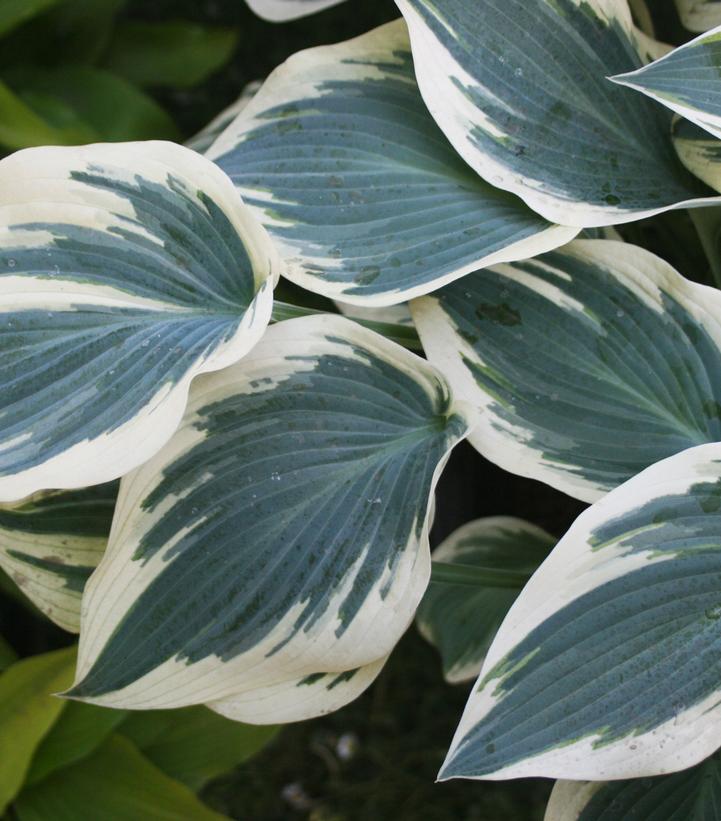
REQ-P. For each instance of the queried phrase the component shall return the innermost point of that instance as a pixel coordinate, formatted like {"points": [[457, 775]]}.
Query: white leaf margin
{"points": [[279, 11]]}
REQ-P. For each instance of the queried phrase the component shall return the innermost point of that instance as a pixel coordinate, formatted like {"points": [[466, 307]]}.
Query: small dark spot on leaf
{"points": [[712, 408], [501, 314], [368, 274]]}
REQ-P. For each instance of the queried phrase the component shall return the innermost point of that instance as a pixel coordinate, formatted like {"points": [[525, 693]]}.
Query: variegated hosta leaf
{"points": [[280, 535], [396, 314], [365, 198], [202, 141], [52, 542], [699, 152], [686, 80], [608, 665], [589, 363], [125, 270], [279, 10], [690, 795], [461, 620], [520, 88], [699, 15]]}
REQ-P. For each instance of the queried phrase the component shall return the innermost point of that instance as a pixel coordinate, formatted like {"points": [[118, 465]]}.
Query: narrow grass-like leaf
{"points": [[52, 542], [520, 88], [365, 198], [462, 620], [125, 270], [280, 536], [589, 363], [608, 664]]}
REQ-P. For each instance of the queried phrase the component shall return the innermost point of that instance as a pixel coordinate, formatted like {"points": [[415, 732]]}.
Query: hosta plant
{"points": [[463, 183]]}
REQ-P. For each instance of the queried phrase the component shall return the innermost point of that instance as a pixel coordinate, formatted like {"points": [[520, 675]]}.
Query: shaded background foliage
{"points": [[377, 758]]}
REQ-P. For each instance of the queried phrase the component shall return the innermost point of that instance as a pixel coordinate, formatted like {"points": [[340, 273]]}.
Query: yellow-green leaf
{"points": [[116, 784], [27, 711]]}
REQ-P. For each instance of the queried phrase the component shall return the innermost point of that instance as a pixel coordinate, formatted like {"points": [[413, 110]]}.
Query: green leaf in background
{"points": [[520, 87], [116, 783], [461, 620], [78, 31], [109, 106], [269, 558], [173, 53], [146, 727], [52, 542], [79, 730], [699, 15], [8, 656], [608, 665], [194, 744], [72, 32], [27, 712], [110, 311], [81, 29], [21, 126], [690, 795], [15, 12], [363, 195], [590, 363], [686, 80]]}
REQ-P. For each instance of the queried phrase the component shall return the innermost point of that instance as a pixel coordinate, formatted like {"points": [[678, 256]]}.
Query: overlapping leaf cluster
{"points": [[458, 171]]}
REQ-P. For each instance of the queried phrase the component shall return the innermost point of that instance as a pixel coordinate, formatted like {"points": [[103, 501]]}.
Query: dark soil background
{"points": [[375, 760]]}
